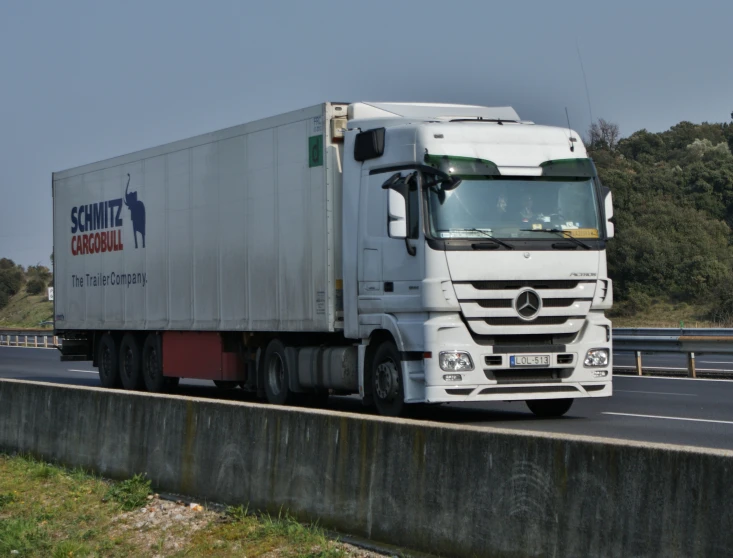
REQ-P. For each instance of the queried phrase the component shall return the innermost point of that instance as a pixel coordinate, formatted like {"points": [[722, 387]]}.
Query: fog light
{"points": [[596, 357], [453, 377], [454, 361], [600, 373]]}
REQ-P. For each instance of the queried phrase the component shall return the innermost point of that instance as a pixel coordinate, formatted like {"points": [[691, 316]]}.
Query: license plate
{"points": [[529, 360]]}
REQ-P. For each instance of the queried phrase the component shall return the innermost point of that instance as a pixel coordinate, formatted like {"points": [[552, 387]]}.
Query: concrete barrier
{"points": [[450, 490]]}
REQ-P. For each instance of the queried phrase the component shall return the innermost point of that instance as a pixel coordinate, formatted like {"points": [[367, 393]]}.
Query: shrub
{"points": [[35, 286]]}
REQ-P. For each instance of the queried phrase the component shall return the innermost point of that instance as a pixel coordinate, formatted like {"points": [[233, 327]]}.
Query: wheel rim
{"points": [[276, 374], [386, 380]]}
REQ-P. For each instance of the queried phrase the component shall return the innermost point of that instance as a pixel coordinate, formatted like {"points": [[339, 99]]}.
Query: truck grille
{"points": [[536, 284], [528, 375], [548, 320], [507, 303], [488, 306]]}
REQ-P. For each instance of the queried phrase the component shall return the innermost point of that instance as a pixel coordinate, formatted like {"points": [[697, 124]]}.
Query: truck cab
{"points": [[474, 258]]}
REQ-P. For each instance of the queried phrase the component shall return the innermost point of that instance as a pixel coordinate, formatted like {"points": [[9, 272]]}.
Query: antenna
{"points": [[571, 139], [585, 82]]}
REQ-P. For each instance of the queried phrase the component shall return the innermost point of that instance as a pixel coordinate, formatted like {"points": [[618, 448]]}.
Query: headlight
{"points": [[596, 357], [455, 361]]}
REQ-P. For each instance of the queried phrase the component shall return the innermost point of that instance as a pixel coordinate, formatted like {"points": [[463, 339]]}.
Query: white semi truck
{"points": [[410, 253]]}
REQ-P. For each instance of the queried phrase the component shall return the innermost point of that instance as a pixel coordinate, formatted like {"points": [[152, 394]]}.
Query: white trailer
{"points": [[371, 248]]}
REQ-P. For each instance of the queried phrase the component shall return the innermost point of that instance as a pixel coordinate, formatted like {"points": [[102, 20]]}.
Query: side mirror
{"points": [[369, 144], [397, 215], [451, 183], [608, 209]]}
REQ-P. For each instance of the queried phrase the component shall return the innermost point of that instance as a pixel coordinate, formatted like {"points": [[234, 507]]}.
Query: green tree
{"points": [[40, 272], [35, 286], [11, 280], [673, 197]]}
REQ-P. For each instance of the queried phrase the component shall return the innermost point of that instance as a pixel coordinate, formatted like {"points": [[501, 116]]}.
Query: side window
{"points": [[413, 210]]}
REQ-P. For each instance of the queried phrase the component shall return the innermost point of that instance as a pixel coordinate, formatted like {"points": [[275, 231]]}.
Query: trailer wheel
{"points": [[277, 375], [130, 372], [549, 407], [152, 366], [389, 394], [109, 373]]}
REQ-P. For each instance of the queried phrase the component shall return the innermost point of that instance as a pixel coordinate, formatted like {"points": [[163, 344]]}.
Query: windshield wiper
{"points": [[563, 232], [487, 235]]}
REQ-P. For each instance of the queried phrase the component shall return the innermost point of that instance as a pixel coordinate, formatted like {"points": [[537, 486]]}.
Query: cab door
{"points": [[392, 268]]}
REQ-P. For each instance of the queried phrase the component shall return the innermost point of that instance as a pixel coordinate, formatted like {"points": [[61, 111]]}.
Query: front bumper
{"points": [[494, 379]]}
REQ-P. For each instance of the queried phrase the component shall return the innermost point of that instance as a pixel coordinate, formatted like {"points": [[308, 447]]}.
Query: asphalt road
{"points": [[675, 411]]}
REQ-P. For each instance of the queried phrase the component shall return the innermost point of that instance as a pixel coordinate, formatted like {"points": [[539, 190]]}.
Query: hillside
{"points": [[26, 311], [672, 258]]}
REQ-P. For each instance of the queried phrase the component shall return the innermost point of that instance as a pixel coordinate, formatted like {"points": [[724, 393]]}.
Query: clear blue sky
{"points": [[84, 81]]}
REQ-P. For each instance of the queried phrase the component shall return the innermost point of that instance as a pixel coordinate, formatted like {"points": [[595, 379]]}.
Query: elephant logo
{"points": [[137, 212]]}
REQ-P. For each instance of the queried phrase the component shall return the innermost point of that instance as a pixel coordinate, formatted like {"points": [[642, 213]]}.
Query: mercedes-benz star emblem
{"points": [[528, 304]]}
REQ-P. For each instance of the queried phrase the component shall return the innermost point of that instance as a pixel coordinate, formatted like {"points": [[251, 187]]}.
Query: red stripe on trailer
{"points": [[200, 355]]}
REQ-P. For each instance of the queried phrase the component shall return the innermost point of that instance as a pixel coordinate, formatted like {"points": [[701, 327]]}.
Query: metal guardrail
{"points": [[29, 338], [671, 340]]}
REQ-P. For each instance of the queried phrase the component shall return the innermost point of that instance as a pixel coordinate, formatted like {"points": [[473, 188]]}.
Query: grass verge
{"points": [[665, 314], [49, 511], [26, 311]]}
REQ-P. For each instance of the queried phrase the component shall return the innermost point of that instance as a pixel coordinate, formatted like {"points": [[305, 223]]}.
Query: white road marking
{"points": [[675, 369], [669, 418], [654, 392], [617, 376], [85, 371]]}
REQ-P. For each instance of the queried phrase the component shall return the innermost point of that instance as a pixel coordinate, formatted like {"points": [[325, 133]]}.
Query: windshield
{"points": [[514, 207]]}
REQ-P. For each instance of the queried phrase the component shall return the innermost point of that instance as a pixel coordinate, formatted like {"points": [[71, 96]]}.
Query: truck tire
{"points": [[386, 377], [152, 365], [549, 407], [130, 364], [109, 373], [276, 375]]}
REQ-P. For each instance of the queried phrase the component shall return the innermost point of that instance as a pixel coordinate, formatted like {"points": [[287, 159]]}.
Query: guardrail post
{"points": [[691, 365], [35, 341], [638, 363], [45, 341], [17, 340], [55, 341]]}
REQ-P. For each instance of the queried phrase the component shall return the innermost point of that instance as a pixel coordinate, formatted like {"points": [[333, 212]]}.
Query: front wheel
{"points": [[277, 375], [389, 393], [549, 407]]}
